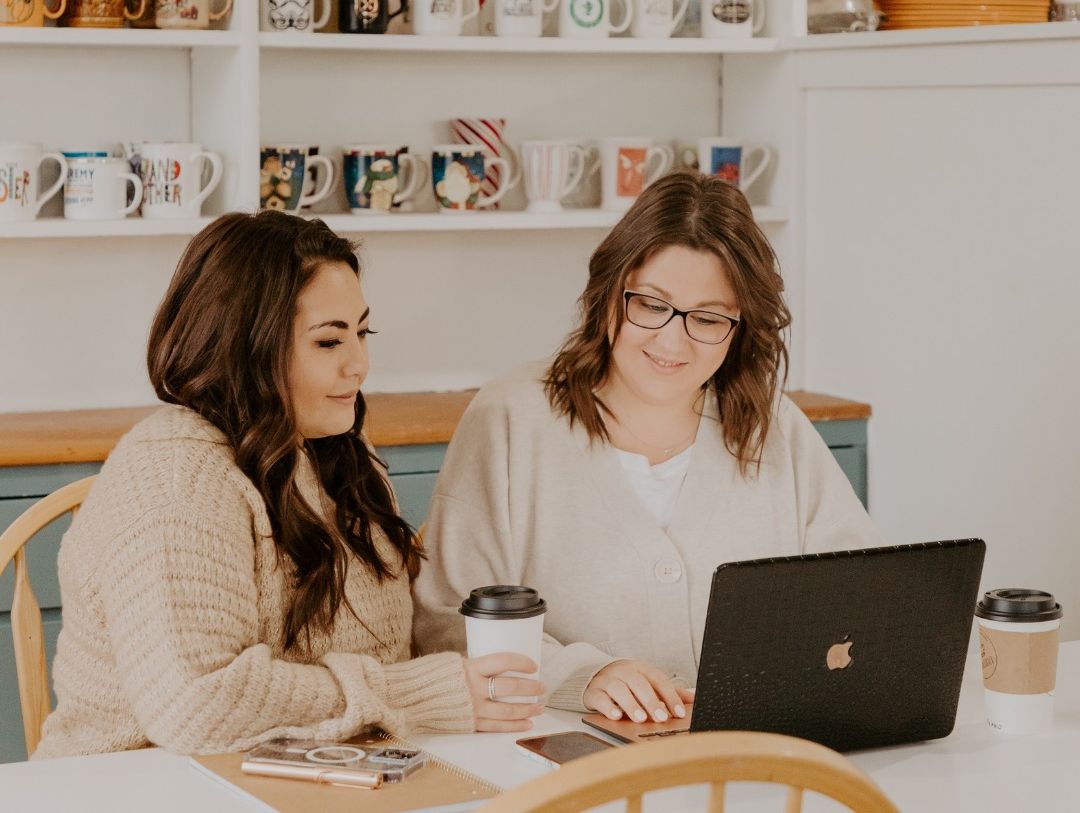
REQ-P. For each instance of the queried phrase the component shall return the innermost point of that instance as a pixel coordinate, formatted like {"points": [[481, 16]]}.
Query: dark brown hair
{"points": [[703, 213], [220, 344]]}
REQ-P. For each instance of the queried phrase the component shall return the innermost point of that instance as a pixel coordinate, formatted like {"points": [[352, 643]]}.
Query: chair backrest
{"points": [[26, 627], [714, 758]]}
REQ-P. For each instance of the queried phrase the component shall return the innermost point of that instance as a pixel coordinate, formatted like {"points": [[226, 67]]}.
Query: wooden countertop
{"points": [[402, 419]]}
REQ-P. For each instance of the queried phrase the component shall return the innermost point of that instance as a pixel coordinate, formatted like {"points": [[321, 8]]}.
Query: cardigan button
{"points": [[668, 571]]}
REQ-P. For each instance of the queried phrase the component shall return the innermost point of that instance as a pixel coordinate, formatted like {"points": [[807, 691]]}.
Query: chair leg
{"points": [[794, 800], [716, 797]]}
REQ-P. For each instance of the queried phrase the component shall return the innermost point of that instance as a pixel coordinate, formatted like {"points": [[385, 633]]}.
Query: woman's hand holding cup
{"points": [[487, 684], [637, 690]]}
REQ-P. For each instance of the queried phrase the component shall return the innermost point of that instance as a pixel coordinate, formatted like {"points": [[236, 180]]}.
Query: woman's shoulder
{"points": [[518, 392], [173, 458]]}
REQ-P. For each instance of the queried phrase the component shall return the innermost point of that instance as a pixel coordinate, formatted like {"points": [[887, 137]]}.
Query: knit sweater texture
{"points": [[524, 499], [174, 600]]}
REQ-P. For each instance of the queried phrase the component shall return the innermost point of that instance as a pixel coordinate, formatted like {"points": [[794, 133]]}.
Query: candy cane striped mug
{"points": [[488, 135], [550, 173]]}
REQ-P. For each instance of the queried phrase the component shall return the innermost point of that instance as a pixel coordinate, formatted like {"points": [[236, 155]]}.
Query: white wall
{"points": [[942, 287]]}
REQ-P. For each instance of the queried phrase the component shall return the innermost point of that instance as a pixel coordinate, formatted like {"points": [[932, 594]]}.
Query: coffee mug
{"points": [[586, 195], [367, 16], [29, 12], [657, 19], [552, 170], [625, 169], [188, 13], [281, 177], [297, 16], [101, 13], [456, 173], [489, 134], [733, 160], [20, 175], [441, 17], [172, 176], [379, 177], [732, 19], [591, 19], [96, 186], [520, 18]]}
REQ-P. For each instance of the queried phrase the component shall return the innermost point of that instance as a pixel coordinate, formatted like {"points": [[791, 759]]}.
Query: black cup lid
{"points": [[503, 601], [1018, 604]]}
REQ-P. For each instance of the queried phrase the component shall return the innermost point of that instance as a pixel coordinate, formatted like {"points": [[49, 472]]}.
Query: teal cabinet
{"points": [[413, 470]]}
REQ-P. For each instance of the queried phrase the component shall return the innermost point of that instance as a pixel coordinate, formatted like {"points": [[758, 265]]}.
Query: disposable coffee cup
{"points": [[505, 618], [1018, 646]]}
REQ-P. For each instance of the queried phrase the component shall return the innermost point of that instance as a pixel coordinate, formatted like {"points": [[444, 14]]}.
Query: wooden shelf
{"points": [[964, 35], [118, 37], [513, 45], [55, 227]]}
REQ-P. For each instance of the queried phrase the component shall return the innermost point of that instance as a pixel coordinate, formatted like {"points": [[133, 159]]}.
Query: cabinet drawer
{"points": [[414, 495], [41, 553], [12, 743]]}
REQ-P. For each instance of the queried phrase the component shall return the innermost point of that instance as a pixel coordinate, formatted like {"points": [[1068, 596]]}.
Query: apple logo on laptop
{"points": [[839, 655]]}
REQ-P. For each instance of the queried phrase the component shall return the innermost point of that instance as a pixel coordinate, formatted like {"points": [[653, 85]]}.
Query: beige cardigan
{"points": [[174, 601], [522, 499]]}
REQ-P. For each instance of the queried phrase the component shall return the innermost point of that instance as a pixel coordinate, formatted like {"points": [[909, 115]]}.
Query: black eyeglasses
{"points": [[652, 313]]}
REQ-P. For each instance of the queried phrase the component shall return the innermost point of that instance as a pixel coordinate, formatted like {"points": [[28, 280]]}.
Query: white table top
{"points": [[973, 769]]}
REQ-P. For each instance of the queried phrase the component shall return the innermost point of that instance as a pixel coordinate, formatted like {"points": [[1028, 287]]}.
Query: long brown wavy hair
{"points": [[703, 213], [220, 344]]}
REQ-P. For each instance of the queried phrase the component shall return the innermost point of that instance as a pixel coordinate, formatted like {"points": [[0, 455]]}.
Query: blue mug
{"points": [[281, 177], [379, 177], [456, 173]]}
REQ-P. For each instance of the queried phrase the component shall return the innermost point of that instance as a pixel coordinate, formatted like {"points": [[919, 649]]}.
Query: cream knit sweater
{"points": [[174, 599], [522, 499]]}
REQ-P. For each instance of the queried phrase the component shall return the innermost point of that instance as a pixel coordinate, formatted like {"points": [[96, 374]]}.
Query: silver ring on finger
{"points": [[491, 689]]}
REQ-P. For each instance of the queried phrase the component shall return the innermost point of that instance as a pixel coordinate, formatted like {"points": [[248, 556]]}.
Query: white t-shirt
{"points": [[657, 486]]}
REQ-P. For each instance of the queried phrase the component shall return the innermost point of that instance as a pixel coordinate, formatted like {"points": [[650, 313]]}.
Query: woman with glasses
{"points": [[653, 447]]}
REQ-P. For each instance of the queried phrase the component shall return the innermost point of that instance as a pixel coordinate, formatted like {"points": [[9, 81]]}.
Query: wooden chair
{"points": [[713, 758], [26, 627]]}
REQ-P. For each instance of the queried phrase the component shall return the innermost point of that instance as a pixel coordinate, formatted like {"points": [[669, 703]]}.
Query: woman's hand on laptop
{"points": [[637, 690], [487, 683]]}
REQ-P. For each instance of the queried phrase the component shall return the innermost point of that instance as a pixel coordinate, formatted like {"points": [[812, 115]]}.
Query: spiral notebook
{"points": [[437, 783]]}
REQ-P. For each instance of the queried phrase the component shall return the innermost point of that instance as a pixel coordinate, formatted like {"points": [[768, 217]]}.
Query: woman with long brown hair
{"points": [[653, 447], [239, 570]]}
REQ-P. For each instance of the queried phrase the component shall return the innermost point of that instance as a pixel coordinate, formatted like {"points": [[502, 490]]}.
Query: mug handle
{"points": [[324, 18], [137, 185], [328, 181], [504, 187], [515, 166], [759, 19], [215, 179], [555, 4], [214, 17], [468, 16], [677, 20], [575, 179], [134, 15], [418, 175], [766, 154], [667, 156], [55, 15], [402, 5], [625, 24], [52, 190]]}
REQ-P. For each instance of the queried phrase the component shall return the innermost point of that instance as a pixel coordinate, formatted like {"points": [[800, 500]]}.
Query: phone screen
{"points": [[560, 748]]}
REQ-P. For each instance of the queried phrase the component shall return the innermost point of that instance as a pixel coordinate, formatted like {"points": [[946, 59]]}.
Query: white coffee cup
{"points": [[20, 176], [1018, 649], [505, 618], [591, 19], [172, 176], [657, 19], [521, 18], [441, 17], [735, 160], [732, 19], [188, 14], [96, 186], [550, 172], [624, 169], [295, 16]]}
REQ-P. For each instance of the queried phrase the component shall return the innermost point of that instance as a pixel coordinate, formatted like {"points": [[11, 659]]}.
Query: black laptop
{"points": [[855, 649]]}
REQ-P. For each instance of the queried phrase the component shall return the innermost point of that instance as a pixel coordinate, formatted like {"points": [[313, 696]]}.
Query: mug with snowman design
{"points": [[456, 173], [380, 177]]}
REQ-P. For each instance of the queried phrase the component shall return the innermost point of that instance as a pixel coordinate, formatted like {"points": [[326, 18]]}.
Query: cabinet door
{"points": [[12, 743]]}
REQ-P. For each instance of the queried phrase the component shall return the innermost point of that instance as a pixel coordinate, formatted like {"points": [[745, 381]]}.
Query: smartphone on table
{"points": [[555, 749]]}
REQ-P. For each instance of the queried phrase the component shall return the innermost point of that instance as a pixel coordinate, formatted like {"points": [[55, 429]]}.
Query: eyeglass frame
{"points": [[627, 293]]}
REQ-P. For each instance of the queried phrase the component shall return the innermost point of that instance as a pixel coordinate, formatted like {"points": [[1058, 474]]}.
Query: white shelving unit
{"points": [[117, 37], [973, 35]]}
